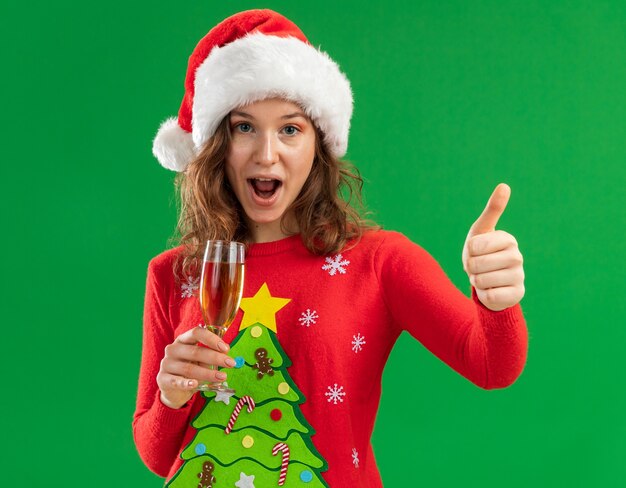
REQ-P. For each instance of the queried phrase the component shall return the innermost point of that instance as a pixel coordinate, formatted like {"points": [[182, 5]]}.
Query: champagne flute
{"points": [[221, 286]]}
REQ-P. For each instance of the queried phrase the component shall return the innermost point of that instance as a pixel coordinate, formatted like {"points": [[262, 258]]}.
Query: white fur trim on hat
{"points": [[173, 146], [257, 66]]}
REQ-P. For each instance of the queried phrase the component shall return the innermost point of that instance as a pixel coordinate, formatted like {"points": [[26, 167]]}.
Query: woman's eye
{"points": [[243, 127], [290, 130]]}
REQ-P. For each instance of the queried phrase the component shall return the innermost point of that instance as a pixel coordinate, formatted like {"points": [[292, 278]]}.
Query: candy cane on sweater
{"points": [[281, 446], [238, 407]]}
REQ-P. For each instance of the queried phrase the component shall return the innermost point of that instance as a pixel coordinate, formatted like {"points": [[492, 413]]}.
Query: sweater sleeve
{"points": [[157, 429], [486, 347]]}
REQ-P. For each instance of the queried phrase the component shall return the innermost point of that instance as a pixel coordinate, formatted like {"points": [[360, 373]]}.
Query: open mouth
{"points": [[265, 187]]}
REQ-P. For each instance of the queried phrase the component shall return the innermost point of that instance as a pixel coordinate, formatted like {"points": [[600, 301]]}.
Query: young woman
{"points": [[257, 144]]}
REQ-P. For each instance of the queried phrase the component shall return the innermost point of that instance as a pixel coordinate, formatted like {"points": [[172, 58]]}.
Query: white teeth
{"points": [[264, 179]]}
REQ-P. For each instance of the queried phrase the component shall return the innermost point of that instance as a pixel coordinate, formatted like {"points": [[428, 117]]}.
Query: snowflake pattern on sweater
{"points": [[336, 264], [309, 317], [357, 342], [189, 287], [335, 394]]}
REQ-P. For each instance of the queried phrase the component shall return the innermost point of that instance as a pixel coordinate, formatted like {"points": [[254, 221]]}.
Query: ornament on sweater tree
{"points": [[259, 436]]}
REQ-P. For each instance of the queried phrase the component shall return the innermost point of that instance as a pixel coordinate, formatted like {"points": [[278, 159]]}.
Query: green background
{"points": [[451, 98]]}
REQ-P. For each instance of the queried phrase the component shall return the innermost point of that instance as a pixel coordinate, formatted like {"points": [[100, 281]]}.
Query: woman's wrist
{"points": [[169, 404]]}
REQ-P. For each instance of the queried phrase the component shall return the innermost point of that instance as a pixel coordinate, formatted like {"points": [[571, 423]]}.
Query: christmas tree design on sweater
{"points": [[257, 437]]}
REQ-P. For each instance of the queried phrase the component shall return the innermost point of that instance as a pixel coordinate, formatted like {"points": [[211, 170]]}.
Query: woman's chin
{"points": [[267, 218]]}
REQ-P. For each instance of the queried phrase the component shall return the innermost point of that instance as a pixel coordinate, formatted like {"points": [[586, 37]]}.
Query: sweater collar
{"points": [[275, 247]]}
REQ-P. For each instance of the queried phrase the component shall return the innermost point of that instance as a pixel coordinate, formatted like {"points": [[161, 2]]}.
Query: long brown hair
{"points": [[328, 210]]}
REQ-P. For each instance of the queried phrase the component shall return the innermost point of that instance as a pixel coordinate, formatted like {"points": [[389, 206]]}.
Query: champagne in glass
{"points": [[221, 286]]}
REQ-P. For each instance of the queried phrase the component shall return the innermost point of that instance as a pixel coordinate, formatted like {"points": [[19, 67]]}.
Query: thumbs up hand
{"points": [[491, 257]]}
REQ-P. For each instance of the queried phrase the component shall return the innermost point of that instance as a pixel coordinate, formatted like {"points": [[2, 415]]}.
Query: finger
{"points": [[194, 371], [504, 296], [494, 241], [204, 355], [507, 258], [204, 336], [496, 279], [174, 381], [492, 212]]}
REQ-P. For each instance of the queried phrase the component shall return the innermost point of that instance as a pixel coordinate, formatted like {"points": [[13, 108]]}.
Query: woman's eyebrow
{"points": [[241, 114], [288, 116], [293, 115]]}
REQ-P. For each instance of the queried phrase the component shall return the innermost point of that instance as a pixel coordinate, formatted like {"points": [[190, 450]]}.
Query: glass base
{"points": [[216, 387]]}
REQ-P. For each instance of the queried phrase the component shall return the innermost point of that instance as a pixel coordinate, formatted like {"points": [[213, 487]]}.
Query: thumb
{"points": [[494, 209]]}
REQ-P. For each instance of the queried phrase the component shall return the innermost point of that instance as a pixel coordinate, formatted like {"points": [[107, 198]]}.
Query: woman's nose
{"points": [[267, 152]]}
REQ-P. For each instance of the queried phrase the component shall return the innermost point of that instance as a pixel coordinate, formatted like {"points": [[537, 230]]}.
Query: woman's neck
{"points": [[270, 232]]}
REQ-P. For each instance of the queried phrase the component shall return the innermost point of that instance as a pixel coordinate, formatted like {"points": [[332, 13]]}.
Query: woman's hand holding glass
{"points": [[185, 365]]}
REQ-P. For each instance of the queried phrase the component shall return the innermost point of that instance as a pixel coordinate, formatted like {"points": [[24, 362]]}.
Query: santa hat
{"points": [[250, 56]]}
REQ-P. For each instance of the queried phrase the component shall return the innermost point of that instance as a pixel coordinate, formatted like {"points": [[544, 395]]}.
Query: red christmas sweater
{"points": [[344, 314]]}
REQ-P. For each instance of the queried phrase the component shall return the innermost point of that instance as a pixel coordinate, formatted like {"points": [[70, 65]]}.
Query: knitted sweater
{"points": [[342, 316]]}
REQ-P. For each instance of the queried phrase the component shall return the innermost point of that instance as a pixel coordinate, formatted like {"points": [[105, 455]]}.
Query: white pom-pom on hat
{"points": [[173, 146]]}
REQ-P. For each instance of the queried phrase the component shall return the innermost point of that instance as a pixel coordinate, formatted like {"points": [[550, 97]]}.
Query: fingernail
{"points": [[190, 383], [222, 346], [220, 376], [230, 362]]}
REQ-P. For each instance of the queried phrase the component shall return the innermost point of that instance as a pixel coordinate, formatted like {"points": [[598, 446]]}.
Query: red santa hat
{"points": [[248, 57]]}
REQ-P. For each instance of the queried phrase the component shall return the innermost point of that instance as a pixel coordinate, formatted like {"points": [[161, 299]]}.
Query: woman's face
{"points": [[268, 160]]}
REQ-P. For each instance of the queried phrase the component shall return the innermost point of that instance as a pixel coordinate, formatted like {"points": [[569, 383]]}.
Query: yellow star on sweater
{"points": [[262, 308]]}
